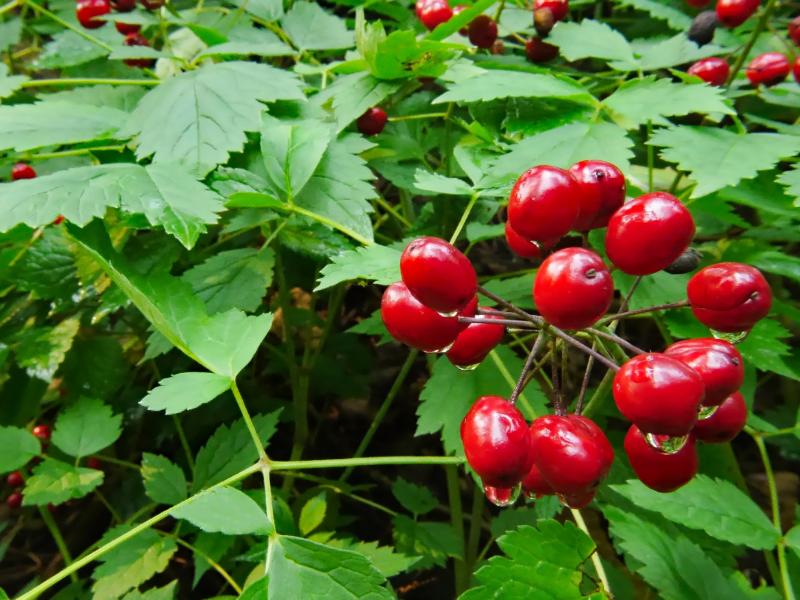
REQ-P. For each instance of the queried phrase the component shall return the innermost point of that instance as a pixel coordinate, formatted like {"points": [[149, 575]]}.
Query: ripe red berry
{"points": [[559, 8], [579, 500], [520, 246], [474, 343], [534, 484], [718, 363], [544, 203], [42, 432], [433, 12], [137, 39], [14, 500], [712, 70], [501, 496], [123, 5], [58, 221], [411, 322], [768, 69], [572, 452], [796, 69], [372, 121], [725, 423], [659, 394], [22, 171], [573, 288], [127, 28], [698, 3], [793, 29], [87, 12], [152, 4], [438, 274], [656, 469], [497, 443], [729, 296], [733, 13], [648, 233], [602, 192], [482, 31], [538, 51], [14, 479]]}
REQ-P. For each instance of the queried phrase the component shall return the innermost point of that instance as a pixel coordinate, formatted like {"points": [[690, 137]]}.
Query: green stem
{"points": [[598, 564], [52, 526], [417, 116], [369, 461], [117, 461], [474, 528], [75, 152], [330, 223], [248, 421], [522, 399], [8, 6], [762, 22], [66, 25], [464, 217], [214, 564], [87, 81], [184, 443], [266, 471], [457, 520]]}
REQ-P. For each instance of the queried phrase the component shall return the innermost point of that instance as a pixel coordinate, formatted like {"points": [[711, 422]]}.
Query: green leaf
{"points": [[197, 118], [661, 9], [434, 541], [166, 592], [414, 498], [10, 32], [313, 513], [791, 179], [311, 28], [377, 263], [591, 39], [496, 84], [401, 55], [86, 427], [17, 447], [48, 267], [40, 350], [383, 558], [164, 481], [351, 95], [233, 279], [185, 391], [792, 539], [53, 482], [9, 83], [716, 158], [674, 51], [68, 49], [211, 545], [268, 10], [541, 562], [224, 510], [433, 182], [765, 349]]}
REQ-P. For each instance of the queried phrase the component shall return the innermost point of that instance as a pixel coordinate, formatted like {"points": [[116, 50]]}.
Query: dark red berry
{"points": [[648, 233], [579, 500], [712, 70], [718, 363], [42, 432], [733, 13], [725, 423], [482, 31], [152, 4], [768, 69], [127, 28], [123, 5], [14, 500], [703, 26], [433, 12], [729, 296], [793, 29], [659, 394], [87, 12], [14, 479], [687, 262], [659, 470], [559, 8], [372, 121], [438, 274], [94, 463], [698, 3], [538, 51], [573, 288], [497, 443], [534, 484], [474, 343], [58, 221], [796, 69], [22, 171], [602, 192], [544, 203], [137, 39]]}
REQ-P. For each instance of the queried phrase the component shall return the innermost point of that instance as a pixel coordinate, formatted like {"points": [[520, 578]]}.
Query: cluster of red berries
{"points": [[481, 31], [546, 13], [89, 12]]}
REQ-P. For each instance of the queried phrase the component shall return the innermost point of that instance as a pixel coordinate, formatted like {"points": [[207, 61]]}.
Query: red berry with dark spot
{"points": [[87, 12], [14, 479], [793, 29], [42, 432], [544, 203], [573, 288], [482, 31], [123, 5], [538, 51], [127, 28], [729, 297], [656, 469], [602, 192], [474, 343], [438, 274], [718, 363], [733, 13], [433, 12], [648, 233], [497, 443], [14, 500], [559, 8], [768, 69], [534, 484], [22, 171], [712, 70], [137, 39], [372, 121], [725, 423]]}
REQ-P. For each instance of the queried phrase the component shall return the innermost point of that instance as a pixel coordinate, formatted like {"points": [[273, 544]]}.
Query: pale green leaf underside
{"points": [[86, 427], [224, 510], [185, 391], [496, 84], [164, 481], [17, 447], [373, 263], [53, 482]]}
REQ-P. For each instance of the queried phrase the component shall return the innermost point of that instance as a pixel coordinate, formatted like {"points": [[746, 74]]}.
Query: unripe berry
{"points": [[482, 31], [687, 262], [712, 70], [87, 12], [602, 188], [544, 203], [768, 69], [543, 21], [474, 343], [718, 362], [732, 13], [725, 423], [658, 470], [22, 171], [729, 297]]}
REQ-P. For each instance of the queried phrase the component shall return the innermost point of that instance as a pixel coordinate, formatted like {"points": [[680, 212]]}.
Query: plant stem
{"points": [[52, 526], [248, 421], [616, 339], [641, 311], [457, 520], [214, 564], [585, 381], [516, 324], [510, 379], [474, 528], [634, 286], [598, 564], [369, 461], [74, 152], [762, 22], [417, 116], [650, 157], [8, 6], [537, 346], [86, 81], [184, 443], [329, 222], [464, 217]]}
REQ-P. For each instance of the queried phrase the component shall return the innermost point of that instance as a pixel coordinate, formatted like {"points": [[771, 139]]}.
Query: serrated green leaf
{"points": [[166, 592], [164, 481], [677, 50], [661, 9], [210, 545], [792, 539], [53, 482], [185, 391], [434, 182], [351, 95], [591, 39], [791, 179], [224, 510], [377, 263], [86, 427], [496, 84], [313, 513], [9, 83], [48, 267], [68, 49], [10, 32], [40, 350], [311, 28], [414, 498], [434, 541], [765, 349], [383, 558], [17, 447], [401, 55]]}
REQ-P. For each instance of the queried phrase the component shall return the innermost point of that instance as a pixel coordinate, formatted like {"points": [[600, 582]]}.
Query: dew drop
{"points": [[665, 443], [734, 338], [452, 313], [468, 367], [502, 497], [706, 412], [441, 350]]}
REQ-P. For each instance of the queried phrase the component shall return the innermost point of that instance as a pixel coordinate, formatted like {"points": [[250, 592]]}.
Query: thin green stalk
{"points": [[522, 399], [368, 461], [66, 25], [214, 564], [759, 28], [8, 6], [266, 471], [248, 421], [474, 528], [52, 526], [598, 564], [330, 223], [104, 501], [457, 520], [117, 461], [464, 217], [87, 81], [74, 152], [184, 443], [417, 116]]}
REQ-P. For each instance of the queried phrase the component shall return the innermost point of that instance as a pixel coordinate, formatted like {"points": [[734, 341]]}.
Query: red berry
{"points": [[152, 4], [520, 246], [718, 363], [127, 28], [579, 500], [474, 343], [733, 13], [793, 29], [602, 192], [22, 171], [123, 5], [712, 70], [14, 479], [58, 221], [42, 432], [137, 39], [648, 233], [501, 496], [659, 394], [87, 10], [433, 12], [796, 69], [496, 442], [572, 452], [573, 288], [559, 8], [725, 423], [544, 203], [14, 500], [698, 3], [656, 469], [94, 463], [768, 69], [482, 31], [534, 484], [372, 121], [729, 296], [438, 274], [538, 51]]}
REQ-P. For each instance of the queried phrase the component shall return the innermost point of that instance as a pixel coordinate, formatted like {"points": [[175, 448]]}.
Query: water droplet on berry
{"points": [[450, 314], [468, 367], [734, 338], [441, 350], [502, 497], [706, 412], [665, 443]]}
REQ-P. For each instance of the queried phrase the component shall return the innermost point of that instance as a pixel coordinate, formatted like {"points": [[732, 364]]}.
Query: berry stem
{"points": [[537, 346], [759, 28], [598, 565], [585, 382], [514, 309], [616, 339], [507, 322], [624, 304], [641, 311], [52, 526]]}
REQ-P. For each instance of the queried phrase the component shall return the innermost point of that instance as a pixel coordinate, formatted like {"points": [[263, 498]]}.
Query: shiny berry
{"points": [[648, 233], [725, 423], [602, 192], [768, 69], [433, 12], [14, 500], [572, 452], [411, 322], [474, 343], [573, 288], [578, 500], [14, 479], [152, 4], [656, 469], [497, 443], [538, 51], [659, 394], [482, 31], [703, 26], [733, 13], [42, 432], [559, 8], [87, 12], [22, 171], [123, 5], [372, 121], [127, 28], [712, 70], [718, 363], [729, 296], [544, 203], [438, 274], [525, 248], [534, 484], [793, 29]]}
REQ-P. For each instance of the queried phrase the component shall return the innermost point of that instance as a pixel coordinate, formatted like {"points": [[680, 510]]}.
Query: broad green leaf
{"points": [[40, 350], [658, 288], [10, 32], [164, 481], [383, 558], [434, 541], [543, 561], [662, 9], [434, 182], [48, 267], [495, 84], [791, 179], [86, 427], [414, 498], [197, 118], [311, 28], [17, 447], [53, 482], [185, 391], [377, 263], [166, 592], [211, 545], [9, 83], [266, 48], [68, 49], [400, 55], [121, 97], [591, 39], [765, 349], [268, 10], [351, 95], [514, 289], [792, 538], [674, 51], [716, 158], [224, 510], [313, 513]]}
